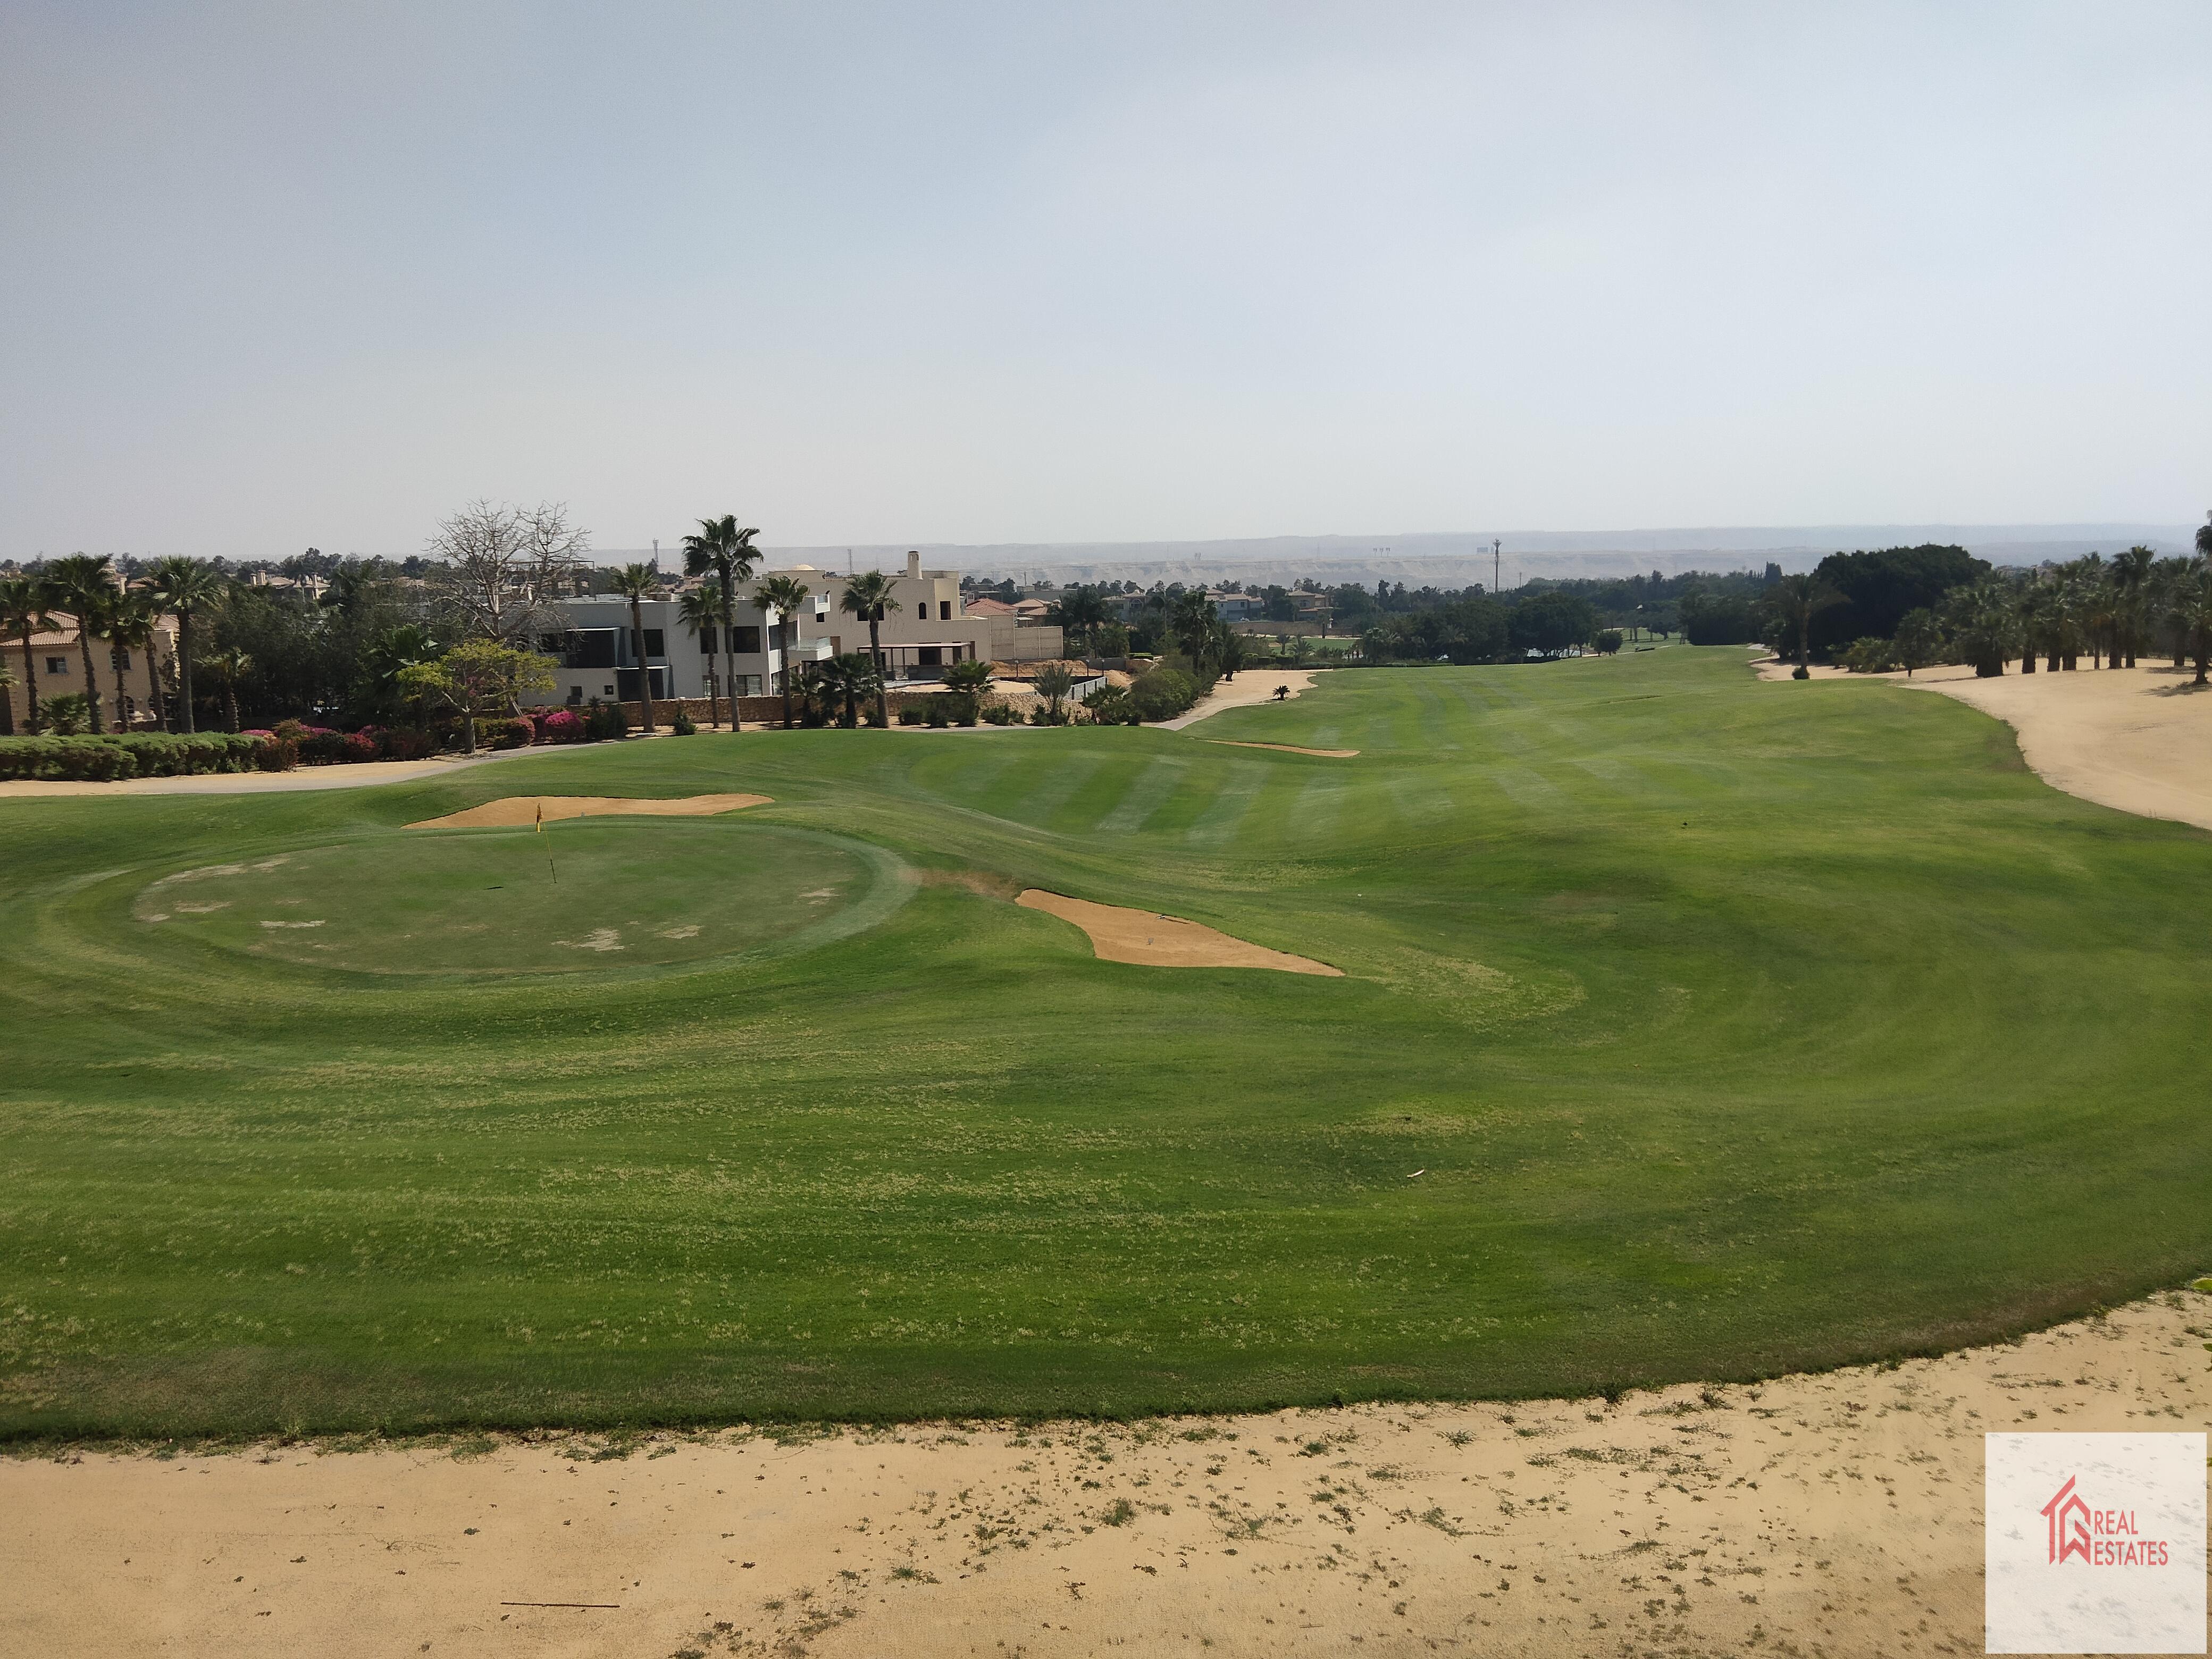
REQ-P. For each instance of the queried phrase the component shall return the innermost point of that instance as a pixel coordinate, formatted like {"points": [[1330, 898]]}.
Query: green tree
{"points": [[1797, 598], [846, 680], [1191, 620], [1919, 640], [23, 602], [633, 582], [2131, 575], [868, 597], [1080, 612], [1982, 622], [8, 683], [703, 610], [229, 666], [969, 680], [479, 677], [2193, 610], [724, 548], [1053, 680], [784, 595], [389, 655], [81, 585], [187, 589]]}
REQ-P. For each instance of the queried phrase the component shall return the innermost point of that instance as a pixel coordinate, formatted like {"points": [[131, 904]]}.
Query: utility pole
{"points": [[1497, 552]]}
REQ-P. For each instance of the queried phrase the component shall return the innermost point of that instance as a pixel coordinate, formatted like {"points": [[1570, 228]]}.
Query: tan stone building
{"points": [[58, 665]]}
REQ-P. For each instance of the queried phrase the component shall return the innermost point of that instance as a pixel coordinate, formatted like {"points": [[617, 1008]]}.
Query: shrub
{"points": [[65, 755], [1868, 656], [505, 734], [319, 745], [909, 713], [405, 743], [126, 754], [1113, 706], [683, 726], [275, 754], [1163, 693], [1609, 641], [561, 726], [998, 714], [604, 719], [67, 714]]}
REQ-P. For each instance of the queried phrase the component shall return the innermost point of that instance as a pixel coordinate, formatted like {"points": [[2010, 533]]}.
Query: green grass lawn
{"points": [[1732, 1027]]}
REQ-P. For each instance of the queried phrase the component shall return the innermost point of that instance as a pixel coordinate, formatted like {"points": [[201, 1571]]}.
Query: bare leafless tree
{"points": [[502, 567]]}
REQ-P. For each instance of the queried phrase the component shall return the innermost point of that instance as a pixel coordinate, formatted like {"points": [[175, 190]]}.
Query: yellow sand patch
{"points": [[514, 809], [1152, 941], [1287, 748]]}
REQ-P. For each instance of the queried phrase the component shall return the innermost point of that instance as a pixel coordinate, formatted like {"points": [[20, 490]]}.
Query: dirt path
{"points": [[1251, 685], [1836, 1513], [2139, 740], [346, 775]]}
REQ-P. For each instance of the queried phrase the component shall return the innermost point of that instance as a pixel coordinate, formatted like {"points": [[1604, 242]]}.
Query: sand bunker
{"points": [[505, 814], [1819, 1514], [1152, 941], [1251, 685], [2135, 739], [1287, 748]]}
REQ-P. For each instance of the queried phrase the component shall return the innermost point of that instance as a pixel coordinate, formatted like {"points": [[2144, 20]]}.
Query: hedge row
{"points": [[132, 755]]}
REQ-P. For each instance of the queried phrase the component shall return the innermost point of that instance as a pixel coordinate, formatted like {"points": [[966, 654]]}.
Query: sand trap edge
{"points": [[1145, 939], [1287, 748], [511, 811]]}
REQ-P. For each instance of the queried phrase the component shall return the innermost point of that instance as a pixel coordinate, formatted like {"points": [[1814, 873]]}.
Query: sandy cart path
{"points": [[1251, 685], [1813, 1514]]}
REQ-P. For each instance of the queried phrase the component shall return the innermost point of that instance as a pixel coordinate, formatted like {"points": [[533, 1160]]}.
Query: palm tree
{"points": [[721, 547], [2193, 610], [81, 585], [23, 601], [784, 594], [848, 678], [187, 587], [1191, 620], [2166, 577], [633, 582], [970, 680], [1053, 680], [7, 704], [1984, 623], [868, 597], [126, 620], [1081, 612], [229, 667], [2204, 537], [2131, 575], [1799, 597], [702, 610], [393, 652]]}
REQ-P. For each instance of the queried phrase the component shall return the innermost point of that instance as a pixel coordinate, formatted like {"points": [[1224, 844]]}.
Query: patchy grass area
{"points": [[1730, 1028]]}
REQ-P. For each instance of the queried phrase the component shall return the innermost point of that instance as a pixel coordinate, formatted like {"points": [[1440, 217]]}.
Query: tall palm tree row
{"points": [[633, 582], [187, 589], [868, 597], [784, 594], [81, 585], [704, 608], [228, 668], [23, 602], [727, 550]]}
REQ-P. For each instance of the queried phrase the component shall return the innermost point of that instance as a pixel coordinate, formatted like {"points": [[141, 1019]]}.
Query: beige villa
{"points": [[57, 664]]}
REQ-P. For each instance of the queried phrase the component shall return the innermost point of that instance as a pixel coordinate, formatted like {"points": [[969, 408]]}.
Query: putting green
{"points": [[584, 895]]}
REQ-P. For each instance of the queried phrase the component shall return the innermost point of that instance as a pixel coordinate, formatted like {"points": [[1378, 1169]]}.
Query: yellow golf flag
{"points": [[541, 817]]}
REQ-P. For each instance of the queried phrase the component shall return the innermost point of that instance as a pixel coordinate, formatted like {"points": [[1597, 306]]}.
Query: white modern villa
{"points": [[925, 629]]}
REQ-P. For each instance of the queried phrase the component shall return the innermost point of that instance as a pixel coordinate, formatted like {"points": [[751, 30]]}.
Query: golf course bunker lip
{"points": [[510, 812], [1287, 748], [1148, 940]]}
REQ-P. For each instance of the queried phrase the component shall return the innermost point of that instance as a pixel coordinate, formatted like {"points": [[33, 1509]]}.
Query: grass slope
{"points": [[1735, 1027]]}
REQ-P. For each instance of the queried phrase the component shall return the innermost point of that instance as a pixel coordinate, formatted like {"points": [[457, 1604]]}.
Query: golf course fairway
{"points": [[1689, 1027]]}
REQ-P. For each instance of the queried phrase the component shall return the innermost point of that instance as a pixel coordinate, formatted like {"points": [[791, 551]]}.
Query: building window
{"points": [[746, 642], [945, 610], [748, 685], [122, 660], [929, 656], [656, 642], [58, 665], [575, 694]]}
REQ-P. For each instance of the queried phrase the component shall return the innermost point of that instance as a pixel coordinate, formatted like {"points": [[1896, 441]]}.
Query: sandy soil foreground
{"points": [[2139, 740], [1831, 1515]]}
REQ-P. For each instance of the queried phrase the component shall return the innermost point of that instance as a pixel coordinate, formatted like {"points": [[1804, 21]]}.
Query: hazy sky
{"points": [[284, 275]]}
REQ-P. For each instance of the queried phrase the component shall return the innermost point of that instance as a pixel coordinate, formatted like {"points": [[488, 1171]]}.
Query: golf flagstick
{"points": [[549, 845]]}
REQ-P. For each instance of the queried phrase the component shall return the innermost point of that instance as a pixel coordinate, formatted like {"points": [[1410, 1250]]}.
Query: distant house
{"points": [[59, 666], [925, 630]]}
